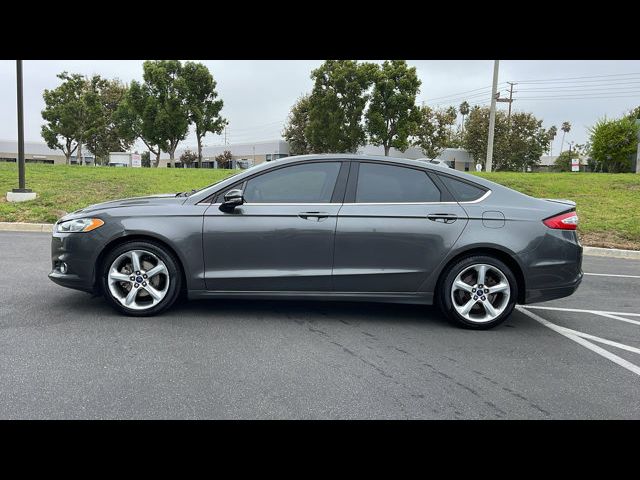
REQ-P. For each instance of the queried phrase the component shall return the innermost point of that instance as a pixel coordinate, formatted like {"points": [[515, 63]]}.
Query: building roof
{"points": [[237, 149], [30, 148]]}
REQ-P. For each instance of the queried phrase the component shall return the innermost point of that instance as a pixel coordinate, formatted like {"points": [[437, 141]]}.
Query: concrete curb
{"points": [[611, 252], [47, 227], [25, 227]]}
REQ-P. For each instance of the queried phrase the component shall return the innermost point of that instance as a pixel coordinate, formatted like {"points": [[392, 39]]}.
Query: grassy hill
{"points": [[608, 204]]}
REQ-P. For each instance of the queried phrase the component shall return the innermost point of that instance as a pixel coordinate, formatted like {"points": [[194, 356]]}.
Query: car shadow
{"points": [[298, 311], [311, 310]]}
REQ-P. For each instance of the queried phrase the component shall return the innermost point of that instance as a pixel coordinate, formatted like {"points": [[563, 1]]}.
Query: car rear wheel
{"points": [[141, 278], [478, 292]]}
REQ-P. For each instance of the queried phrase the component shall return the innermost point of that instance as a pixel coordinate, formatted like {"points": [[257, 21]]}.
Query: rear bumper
{"points": [[545, 294], [553, 269]]}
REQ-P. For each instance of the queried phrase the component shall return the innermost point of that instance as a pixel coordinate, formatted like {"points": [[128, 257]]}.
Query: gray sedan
{"points": [[330, 227]]}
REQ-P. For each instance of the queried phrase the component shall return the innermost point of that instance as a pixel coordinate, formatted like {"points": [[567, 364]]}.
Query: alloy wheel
{"points": [[480, 293], [138, 279]]}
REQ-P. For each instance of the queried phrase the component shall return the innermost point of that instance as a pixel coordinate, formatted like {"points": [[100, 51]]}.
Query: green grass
{"points": [[62, 189], [608, 204]]}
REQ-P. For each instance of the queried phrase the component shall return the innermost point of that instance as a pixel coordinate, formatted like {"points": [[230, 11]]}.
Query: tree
{"points": [[337, 103], [188, 157], [137, 117], [145, 159], [162, 78], [295, 128], [566, 128], [200, 96], [552, 132], [518, 144], [563, 162], [433, 133], [614, 143], [392, 116], [65, 114], [104, 134], [224, 159], [634, 113], [464, 111]]}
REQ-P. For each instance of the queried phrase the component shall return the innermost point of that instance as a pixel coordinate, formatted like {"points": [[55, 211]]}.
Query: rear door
{"points": [[395, 227], [282, 237]]}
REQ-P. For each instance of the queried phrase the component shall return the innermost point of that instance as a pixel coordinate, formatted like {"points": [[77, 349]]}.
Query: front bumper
{"points": [[79, 251]]}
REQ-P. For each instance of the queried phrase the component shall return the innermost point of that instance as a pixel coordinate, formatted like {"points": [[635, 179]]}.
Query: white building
{"points": [[244, 155]]}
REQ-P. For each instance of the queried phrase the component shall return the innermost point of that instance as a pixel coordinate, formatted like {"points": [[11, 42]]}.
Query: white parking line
{"points": [[621, 346], [627, 320], [612, 275], [582, 341], [578, 310]]}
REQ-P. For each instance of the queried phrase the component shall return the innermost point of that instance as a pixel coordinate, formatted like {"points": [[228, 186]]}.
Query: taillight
{"points": [[564, 221]]}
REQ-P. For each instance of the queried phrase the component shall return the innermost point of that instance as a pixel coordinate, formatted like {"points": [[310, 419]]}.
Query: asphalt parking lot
{"points": [[65, 354]]}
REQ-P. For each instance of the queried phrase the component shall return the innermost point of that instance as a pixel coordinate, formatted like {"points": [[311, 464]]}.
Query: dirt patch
{"points": [[607, 240]]}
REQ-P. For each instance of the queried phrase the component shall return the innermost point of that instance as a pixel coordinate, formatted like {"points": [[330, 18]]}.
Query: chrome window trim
{"points": [[487, 193]]}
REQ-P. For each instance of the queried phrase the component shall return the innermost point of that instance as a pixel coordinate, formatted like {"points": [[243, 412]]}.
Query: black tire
{"points": [[445, 302], [174, 273]]}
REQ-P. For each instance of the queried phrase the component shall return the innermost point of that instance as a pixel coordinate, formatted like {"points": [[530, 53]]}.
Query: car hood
{"points": [[151, 200]]}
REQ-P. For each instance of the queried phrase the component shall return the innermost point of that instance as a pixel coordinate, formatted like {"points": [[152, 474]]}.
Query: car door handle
{"points": [[442, 217], [317, 216]]}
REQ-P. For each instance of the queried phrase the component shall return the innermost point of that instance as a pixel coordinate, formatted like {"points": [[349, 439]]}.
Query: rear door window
{"points": [[462, 191], [380, 183]]}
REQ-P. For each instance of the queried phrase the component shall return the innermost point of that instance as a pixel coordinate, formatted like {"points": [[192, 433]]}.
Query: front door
{"points": [[393, 229], [281, 238]]}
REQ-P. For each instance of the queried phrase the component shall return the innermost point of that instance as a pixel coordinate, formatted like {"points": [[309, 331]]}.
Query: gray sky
{"points": [[258, 94]]}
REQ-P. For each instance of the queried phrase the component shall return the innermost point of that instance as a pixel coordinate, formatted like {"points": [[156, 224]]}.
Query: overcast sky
{"points": [[258, 94]]}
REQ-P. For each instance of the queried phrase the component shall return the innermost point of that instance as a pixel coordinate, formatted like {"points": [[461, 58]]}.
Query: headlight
{"points": [[79, 225]]}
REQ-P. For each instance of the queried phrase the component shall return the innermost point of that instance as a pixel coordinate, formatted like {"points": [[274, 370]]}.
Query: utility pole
{"points": [[492, 116], [508, 100], [511, 84], [637, 169], [21, 193]]}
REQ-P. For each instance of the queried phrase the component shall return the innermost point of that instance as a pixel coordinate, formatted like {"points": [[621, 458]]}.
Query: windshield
{"points": [[188, 194]]}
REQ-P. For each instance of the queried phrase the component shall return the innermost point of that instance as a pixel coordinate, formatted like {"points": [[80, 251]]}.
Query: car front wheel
{"points": [[141, 278], [478, 292]]}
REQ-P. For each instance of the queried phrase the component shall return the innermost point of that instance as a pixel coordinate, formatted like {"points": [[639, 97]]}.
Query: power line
{"points": [[462, 93], [466, 97], [581, 87], [576, 78], [583, 92], [637, 95]]}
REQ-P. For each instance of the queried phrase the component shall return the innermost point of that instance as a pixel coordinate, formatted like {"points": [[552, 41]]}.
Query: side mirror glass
{"points": [[232, 199]]}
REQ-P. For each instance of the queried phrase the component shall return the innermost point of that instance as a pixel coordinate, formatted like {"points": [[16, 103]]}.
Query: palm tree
{"points": [[464, 111], [566, 128], [553, 131]]}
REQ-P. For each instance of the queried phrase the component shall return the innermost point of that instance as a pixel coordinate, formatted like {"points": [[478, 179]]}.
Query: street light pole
{"points": [[637, 169], [21, 193], [492, 116], [21, 178]]}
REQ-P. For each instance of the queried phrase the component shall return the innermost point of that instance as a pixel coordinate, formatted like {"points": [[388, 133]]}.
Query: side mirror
{"points": [[232, 199]]}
